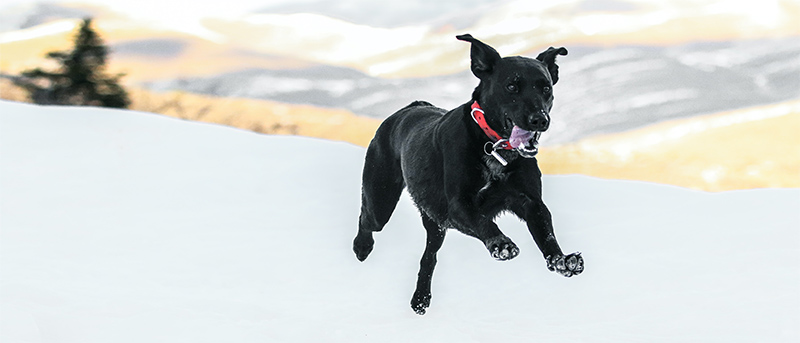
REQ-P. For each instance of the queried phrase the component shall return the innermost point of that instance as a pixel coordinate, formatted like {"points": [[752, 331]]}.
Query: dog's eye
{"points": [[512, 88], [547, 90]]}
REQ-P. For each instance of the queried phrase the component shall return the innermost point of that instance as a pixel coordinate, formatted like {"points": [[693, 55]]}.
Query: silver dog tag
{"points": [[499, 158]]}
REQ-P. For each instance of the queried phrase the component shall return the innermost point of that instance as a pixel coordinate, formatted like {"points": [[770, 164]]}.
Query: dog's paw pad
{"points": [[504, 251], [568, 266], [420, 302]]}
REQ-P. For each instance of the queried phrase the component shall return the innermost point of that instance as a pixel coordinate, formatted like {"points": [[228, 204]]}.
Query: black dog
{"points": [[460, 170]]}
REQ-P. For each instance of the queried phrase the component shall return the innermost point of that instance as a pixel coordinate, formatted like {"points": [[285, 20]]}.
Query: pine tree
{"points": [[80, 80]]}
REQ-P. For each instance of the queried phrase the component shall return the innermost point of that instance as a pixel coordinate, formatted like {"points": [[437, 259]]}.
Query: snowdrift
{"points": [[120, 226]]}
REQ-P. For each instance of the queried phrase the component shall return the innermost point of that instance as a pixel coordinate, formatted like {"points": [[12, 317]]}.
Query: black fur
{"points": [[439, 156]]}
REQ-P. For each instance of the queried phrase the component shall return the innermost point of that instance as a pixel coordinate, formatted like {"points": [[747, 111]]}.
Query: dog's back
{"points": [[419, 117]]}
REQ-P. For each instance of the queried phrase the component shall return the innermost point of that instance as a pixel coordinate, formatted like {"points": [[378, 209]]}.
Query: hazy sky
{"points": [[164, 9], [138, 4], [172, 7], [172, 14]]}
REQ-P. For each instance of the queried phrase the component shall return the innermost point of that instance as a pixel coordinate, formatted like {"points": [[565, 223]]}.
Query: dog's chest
{"points": [[493, 174]]}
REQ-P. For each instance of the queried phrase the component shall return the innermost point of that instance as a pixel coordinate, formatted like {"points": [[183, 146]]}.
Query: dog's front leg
{"points": [[468, 219], [463, 212], [540, 225]]}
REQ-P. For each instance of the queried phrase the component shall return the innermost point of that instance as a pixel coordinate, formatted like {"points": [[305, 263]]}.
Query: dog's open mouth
{"points": [[524, 141]]}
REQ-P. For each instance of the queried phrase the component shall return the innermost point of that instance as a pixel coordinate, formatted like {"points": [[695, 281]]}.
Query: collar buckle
{"points": [[491, 149]]}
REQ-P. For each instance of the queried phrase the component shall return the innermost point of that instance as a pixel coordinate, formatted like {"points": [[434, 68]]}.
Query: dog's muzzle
{"points": [[531, 148], [524, 141]]}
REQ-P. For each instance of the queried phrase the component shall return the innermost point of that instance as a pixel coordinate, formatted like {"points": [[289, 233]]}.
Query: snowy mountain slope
{"points": [[512, 27], [600, 90], [30, 14], [390, 14], [128, 227]]}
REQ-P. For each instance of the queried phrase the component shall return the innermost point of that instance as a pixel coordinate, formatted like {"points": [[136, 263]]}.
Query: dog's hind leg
{"points": [[382, 184], [422, 295]]}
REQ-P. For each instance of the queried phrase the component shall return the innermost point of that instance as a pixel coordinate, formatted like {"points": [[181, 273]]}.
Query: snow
{"points": [[49, 29], [118, 226], [334, 38]]}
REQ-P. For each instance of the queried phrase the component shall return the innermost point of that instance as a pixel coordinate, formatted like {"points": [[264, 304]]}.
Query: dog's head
{"points": [[514, 91]]}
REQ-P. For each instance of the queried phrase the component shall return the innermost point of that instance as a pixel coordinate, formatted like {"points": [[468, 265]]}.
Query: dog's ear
{"points": [[548, 57], [483, 57]]}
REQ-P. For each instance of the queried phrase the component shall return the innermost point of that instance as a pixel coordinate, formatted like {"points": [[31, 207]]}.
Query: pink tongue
{"points": [[519, 136]]}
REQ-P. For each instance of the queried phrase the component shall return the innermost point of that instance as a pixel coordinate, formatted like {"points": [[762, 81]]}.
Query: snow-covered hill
{"points": [[119, 226]]}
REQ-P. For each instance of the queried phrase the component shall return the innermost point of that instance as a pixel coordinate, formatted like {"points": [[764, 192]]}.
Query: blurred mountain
{"points": [[27, 15], [329, 86], [415, 38], [425, 48], [389, 14], [600, 90], [631, 62]]}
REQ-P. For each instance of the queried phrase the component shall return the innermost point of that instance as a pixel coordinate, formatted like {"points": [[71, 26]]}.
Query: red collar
{"points": [[477, 115]]}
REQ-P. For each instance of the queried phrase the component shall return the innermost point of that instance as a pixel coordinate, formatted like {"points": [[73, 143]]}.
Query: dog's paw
{"points": [[503, 249], [569, 265], [420, 302], [362, 245]]}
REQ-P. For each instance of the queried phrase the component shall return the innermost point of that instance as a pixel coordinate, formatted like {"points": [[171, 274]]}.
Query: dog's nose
{"points": [[539, 121]]}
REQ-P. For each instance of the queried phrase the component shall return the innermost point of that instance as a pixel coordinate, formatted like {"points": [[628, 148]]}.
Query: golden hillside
{"points": [[751, 148], [249, 114], [259, 115]]}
